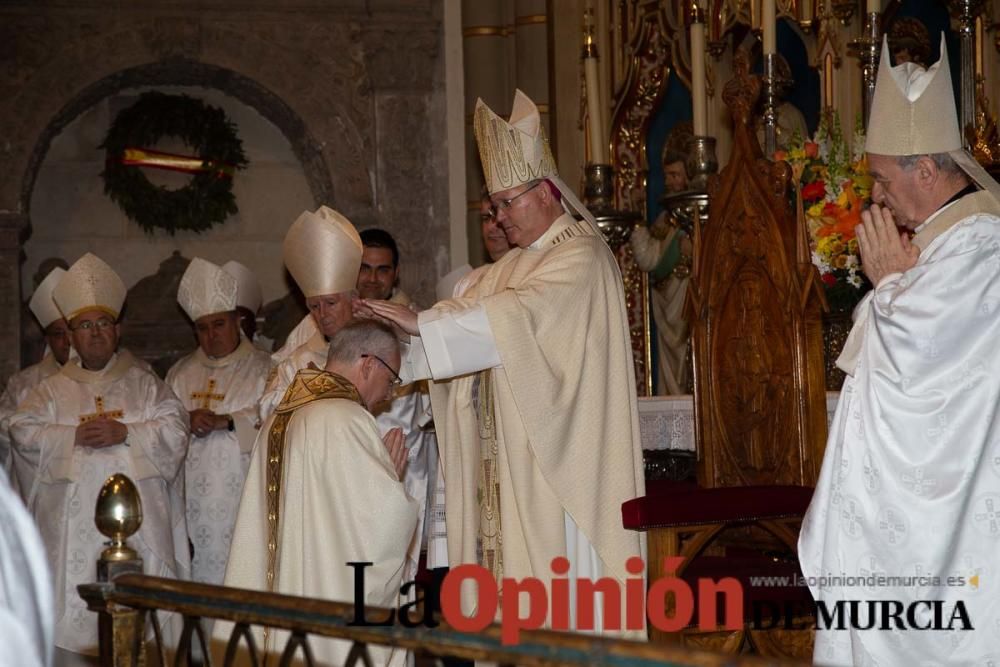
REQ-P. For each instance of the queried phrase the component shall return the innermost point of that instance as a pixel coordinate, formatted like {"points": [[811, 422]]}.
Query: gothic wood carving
{"points": [[756, 327]]}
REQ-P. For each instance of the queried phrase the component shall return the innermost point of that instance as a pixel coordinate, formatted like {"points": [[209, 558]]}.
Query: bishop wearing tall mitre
{"points": [[103, 413], [220, 384], [20, 384]]}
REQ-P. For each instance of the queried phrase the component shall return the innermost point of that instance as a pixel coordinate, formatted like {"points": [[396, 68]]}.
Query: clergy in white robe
{"points": [[904, 516], [220, 385], [534, 395], [329, 303], [326, 483], [56, 332], [103, 413], [26, 619]]}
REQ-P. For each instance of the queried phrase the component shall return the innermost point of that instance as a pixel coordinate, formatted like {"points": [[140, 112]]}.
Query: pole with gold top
{"points": [[118, 516]]}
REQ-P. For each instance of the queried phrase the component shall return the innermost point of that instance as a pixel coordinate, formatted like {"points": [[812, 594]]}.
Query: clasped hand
{"points": [[884, 248], [102, 432], [395, 444], [204, 421]]}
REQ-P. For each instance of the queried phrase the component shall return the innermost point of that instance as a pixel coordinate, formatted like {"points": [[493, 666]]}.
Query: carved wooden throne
{"points": [[759, 398]]}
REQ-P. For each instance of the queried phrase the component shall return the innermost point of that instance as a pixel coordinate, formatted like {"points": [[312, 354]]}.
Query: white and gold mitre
{"points": [[206, 289], [913, 113], [248, 293], [913, 110], [42, 304], [90, 284], [323, 252], [514, 152]]}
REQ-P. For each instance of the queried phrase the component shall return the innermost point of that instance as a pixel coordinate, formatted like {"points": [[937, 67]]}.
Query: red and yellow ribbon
{"points": [[145, 157]]}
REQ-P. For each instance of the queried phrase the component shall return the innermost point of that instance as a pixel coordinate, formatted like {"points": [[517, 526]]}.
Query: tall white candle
{"points": [[874, 6], [595, 119], [769, 25], [806, 11], [699, 102]]}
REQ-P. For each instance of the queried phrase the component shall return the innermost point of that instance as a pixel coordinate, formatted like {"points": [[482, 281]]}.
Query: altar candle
{"points": [[595, 120], [874, 6], [768, 24], [806, 13], [699, 101]]}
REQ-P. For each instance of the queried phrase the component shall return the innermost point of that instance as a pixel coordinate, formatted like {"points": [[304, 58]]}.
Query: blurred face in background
{"points": [[494, 239], [57, 335], [378, 275]]}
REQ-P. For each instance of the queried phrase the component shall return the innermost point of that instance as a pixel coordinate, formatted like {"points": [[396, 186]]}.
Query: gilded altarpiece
{"points": [[654, 40], [755, 308]]}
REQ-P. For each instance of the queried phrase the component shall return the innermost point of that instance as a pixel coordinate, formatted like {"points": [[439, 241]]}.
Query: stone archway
{"points": [[355, 90]]}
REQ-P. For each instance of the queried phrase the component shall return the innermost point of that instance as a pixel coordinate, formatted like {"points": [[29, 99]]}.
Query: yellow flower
{"points": [[816, 210]]}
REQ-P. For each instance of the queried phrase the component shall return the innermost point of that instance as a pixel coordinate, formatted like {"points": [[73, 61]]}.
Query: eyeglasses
{"points": [[504, 204], [396, 380], [87, 325]]}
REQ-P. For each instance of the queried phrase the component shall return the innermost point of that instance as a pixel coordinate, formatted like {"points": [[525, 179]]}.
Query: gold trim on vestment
{"points": [[307, 386], [488, 495]]}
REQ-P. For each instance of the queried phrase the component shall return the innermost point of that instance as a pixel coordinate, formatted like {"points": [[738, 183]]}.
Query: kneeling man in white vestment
{"points": [[334, 496]]}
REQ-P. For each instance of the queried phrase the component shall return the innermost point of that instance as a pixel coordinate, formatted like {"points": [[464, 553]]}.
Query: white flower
{"points": [[851, 262], [855, 280]]}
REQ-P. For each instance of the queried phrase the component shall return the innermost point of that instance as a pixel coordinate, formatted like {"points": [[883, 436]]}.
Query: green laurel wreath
{"points": [[208, 198]]}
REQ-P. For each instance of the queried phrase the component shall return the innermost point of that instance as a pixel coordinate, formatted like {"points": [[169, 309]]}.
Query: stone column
{"points": [[11, 226], [531, 55]]}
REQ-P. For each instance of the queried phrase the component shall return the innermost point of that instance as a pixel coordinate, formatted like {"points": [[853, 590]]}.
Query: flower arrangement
{"points": [[834, 187]]}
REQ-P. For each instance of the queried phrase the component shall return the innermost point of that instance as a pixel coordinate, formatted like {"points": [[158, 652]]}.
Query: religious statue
{"points": [[664, 251], [909, 42], [790, 119]]}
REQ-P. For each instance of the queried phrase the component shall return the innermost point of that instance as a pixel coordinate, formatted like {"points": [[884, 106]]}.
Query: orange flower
{"points": [[812, 149], [780, 155]]}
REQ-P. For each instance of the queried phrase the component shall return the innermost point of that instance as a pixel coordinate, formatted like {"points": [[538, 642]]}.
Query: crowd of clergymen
{"points": [[269, 471], [188, 439]]}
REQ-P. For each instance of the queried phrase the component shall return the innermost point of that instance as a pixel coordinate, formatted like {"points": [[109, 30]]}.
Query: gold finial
{"points": [[118, 515]]}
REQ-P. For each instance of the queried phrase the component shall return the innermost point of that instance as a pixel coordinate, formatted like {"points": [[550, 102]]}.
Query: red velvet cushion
{"points": [[679, 504]]}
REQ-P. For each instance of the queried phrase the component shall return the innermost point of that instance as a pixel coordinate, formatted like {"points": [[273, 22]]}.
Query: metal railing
{"points": [[131, 600]]}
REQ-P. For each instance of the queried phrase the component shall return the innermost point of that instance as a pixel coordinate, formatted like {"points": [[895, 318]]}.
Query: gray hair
{"points": [[359, 337], [945, 163]]}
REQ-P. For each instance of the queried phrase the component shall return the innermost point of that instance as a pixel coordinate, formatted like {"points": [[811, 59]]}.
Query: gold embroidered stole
{"points": [[307, 386], [490, 545]]}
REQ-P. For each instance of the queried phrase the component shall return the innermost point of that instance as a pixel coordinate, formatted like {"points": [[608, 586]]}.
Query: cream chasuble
{"points": [[910, 482], [67, 478], [334, 498], [408, 410], [217, 464], [563, 407], [18, 388]]}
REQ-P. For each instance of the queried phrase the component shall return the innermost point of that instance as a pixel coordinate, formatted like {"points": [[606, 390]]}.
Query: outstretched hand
{"points": [[884, 248], [395, 444], [393, 313]]}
